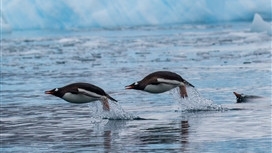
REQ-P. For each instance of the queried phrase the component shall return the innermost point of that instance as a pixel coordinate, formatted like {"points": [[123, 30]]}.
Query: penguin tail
{"points": [[108, 96], [188, 84]]}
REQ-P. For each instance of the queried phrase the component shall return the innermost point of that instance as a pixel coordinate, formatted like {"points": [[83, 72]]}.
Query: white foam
{"points": [[68, 40]]}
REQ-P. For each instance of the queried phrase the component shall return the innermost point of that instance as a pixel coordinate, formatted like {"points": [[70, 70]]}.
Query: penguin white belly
{"points": [[78, 98], [159, 88]]}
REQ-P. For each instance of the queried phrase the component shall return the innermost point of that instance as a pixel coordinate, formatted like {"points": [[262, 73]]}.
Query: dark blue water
{"points": [[217, 59]]}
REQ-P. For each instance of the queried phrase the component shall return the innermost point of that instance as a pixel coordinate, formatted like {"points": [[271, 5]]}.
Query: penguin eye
{"points": [[56, 89], [136, 83]]}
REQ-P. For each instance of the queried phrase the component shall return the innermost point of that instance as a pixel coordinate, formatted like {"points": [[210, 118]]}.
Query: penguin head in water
{"points": [[239, 97]]}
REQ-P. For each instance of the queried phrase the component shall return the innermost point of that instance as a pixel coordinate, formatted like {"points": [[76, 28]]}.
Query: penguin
{"points": [[241, 98], [82, 93], [161, 81]]}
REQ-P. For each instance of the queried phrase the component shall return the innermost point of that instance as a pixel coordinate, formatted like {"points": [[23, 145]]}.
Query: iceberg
{"points": [[75, 14], [5, 27], [259, 25]]}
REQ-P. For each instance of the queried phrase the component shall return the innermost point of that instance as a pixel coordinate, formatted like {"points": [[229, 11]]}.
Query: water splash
{"points": [[116, 112], [195, 102]]}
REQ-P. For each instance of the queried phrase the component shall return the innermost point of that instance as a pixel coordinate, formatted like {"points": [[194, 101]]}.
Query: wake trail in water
{"points": [[195, 102]]}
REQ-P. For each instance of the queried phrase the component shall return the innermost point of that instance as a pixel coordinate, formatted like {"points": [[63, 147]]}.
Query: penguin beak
{"points": [[48, 92], [129, 87]]}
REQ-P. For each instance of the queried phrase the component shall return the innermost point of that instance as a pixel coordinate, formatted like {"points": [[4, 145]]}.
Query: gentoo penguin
{"points": [[82, 93], [241, 98], [161, 81]]}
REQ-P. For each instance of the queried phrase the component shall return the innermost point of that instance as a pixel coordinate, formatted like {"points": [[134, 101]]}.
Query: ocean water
{"points": [[216, 58]]}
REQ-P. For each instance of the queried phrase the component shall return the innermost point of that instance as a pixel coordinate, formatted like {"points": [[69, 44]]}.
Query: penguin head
{"points": [[134, 85], [55, 92]]}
